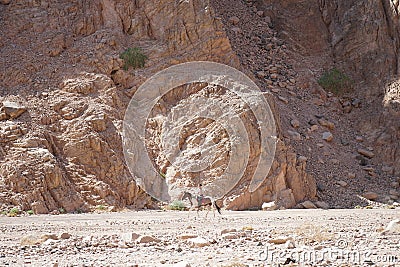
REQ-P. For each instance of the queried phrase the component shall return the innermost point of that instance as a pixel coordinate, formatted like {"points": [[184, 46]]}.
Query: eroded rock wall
{"points": [[362, 39], [61, 62]]}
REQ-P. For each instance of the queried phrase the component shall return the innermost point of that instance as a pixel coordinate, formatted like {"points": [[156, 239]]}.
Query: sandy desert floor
{"points": [[173, 238]]}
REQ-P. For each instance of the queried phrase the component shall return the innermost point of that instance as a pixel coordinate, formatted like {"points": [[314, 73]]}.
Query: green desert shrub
{"points": [[30, 212], [177, 205], [133, 57], [335, 81], [13, 212]]}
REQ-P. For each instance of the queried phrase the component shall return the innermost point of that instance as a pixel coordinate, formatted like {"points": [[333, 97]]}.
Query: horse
{"points": [[201, 201]]}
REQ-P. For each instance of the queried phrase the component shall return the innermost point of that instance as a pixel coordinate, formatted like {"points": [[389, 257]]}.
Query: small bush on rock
{"points": [[133, 57], [335, 81]]}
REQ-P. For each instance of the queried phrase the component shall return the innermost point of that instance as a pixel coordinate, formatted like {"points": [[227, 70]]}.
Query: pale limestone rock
{"points": [[269, 206], [198, 242], [392, 227], [12, 109]]}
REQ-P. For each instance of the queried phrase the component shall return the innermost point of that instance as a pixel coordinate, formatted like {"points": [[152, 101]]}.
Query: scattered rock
{"points": [[351, 175], [187, 236], [32, 240], [308, 204], [147, 239], [13, 109], [5, 2], [370, 195], [65, 236], [230, 236], [327, 136], [335, 161], [261, 74], [283, 99], [359, 138], [198, 242], [312, 122], [295, 123], [294, 135], [279, 240], [327, 124], [394, 184], [260, 13], [234, 20], [387, 169], [236, 30], [225, 231], [318, 101], [302, 159], [394, 192], [347, 109], [322, 205], [314, 128], [342, 183], [129, 237], [274, 76], [393, 227], [366, 153], [267, 206]]}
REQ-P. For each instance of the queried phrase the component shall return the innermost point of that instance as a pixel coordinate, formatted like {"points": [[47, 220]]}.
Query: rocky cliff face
{"points": [[64, 93], [361, 38], [60, 62]]}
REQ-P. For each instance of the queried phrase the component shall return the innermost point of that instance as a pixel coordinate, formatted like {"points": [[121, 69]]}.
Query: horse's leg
{"points": [[208, 210], [213, 208]]}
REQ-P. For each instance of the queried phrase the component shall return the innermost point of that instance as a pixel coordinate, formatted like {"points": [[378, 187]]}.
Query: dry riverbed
{"points": [[172, 238]]}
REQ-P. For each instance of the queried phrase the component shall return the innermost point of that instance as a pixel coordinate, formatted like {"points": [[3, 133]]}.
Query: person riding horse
{"points": [[200, 197]]}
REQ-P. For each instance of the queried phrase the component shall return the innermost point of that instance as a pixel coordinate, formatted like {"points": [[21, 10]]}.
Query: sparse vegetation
{"points": [[177, 205], [13, 212], [133, 57], [30, 212], [61, 210], [79, 211], [100, 207], [335, 81]]}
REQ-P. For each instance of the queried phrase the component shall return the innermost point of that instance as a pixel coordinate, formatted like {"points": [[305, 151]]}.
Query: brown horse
{"points": [[201, 201]]}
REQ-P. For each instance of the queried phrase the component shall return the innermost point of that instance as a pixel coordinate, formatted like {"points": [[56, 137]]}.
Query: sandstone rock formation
{"points": [[63, 101], [65, 151]]}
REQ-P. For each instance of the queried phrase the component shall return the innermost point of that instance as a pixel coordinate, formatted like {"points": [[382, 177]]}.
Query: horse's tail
{"points": [[217, 207]]}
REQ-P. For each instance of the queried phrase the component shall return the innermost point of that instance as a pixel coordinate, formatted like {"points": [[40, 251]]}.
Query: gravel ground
{"points": [[168, 238]]}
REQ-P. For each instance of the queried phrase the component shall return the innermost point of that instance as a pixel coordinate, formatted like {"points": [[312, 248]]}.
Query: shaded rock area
{"points": [[288, 48]]}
